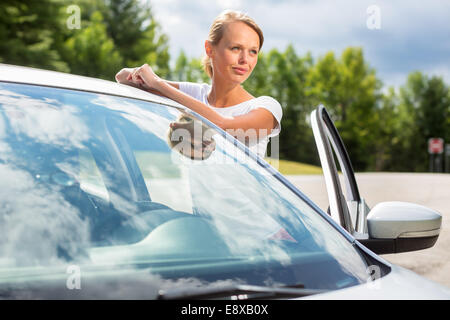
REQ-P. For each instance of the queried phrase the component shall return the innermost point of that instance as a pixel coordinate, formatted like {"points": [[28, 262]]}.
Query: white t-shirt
{"points": [[201, 91]]}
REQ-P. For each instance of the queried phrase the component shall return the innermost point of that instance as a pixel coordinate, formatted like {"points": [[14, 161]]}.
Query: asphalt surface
{"points": [[428, 189]]}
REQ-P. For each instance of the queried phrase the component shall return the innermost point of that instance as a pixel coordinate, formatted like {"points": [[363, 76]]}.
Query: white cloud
{"points": [[229, 4]]}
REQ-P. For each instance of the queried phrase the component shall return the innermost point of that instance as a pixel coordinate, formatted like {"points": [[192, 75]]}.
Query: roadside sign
{"points": [[435, 146]]}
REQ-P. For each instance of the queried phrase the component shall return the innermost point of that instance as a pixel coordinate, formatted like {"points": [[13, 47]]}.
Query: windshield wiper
{"points": [[236, 292]]}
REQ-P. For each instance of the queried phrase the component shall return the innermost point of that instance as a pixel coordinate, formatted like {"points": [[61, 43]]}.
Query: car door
{"points": [[348, 209], [389, 227]]}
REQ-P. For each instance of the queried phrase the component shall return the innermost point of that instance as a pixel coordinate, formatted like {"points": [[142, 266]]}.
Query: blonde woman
{"points": [[231, 55]]}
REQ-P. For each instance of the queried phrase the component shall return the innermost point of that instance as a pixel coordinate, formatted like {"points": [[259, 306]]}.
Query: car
{"points": [[100, 198]]}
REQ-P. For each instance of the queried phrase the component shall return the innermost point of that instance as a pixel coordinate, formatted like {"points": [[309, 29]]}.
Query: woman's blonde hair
{"points": [[217, 30]]}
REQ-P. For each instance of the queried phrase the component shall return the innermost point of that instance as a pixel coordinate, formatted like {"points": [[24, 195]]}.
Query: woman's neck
{"points": [[226, 95]]}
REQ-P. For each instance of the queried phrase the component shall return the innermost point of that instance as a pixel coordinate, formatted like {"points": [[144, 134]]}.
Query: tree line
{"points": [[383, 129]]}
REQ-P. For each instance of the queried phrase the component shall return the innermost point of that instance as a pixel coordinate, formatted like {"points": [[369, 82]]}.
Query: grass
{"points": [[293, 168]]}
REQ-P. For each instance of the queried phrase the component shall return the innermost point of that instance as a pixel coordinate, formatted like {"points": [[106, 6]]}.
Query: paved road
{"points": [[430, 190]]}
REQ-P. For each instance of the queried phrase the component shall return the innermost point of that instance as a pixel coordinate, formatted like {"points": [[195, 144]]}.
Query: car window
{"points": [[89, 176], [95, 180]]}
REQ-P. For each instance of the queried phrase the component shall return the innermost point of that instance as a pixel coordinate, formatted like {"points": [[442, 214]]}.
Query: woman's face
{"points": [[236, 54]]}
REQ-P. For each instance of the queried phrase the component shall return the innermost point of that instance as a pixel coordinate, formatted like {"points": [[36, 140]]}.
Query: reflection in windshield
{"points": [[191, 138], [43, 119], [155, 122], [26, 220], [98, 181], [28, 207]]}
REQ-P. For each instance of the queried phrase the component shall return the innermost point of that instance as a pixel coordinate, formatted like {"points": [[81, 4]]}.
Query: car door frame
{"points": [[348, 211]]}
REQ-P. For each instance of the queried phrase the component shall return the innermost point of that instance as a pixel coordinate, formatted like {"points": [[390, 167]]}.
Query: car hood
{"points": [[399, 284]]}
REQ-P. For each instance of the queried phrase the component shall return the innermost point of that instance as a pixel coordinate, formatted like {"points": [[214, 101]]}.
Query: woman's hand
{"points": [[122, 75], [144, 76]]}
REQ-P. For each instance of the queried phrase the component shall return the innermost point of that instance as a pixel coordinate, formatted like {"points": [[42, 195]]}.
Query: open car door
{"points": [[349, 211], [389, 227]]}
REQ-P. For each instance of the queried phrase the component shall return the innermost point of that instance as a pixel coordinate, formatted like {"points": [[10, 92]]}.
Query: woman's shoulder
{"points": [[268, 101]]}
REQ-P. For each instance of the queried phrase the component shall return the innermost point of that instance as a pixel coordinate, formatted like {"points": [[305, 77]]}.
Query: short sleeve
{"points": [[274, 107], [198, 91]]}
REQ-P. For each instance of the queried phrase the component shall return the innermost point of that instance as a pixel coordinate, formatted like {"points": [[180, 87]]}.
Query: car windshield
{"points": [[99, 191]]}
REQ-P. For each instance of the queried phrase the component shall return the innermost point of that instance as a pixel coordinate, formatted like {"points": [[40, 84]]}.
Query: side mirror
{"points": [[395, 227]]}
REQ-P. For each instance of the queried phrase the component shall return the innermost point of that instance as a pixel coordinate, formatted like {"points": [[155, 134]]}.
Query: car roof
{"points": [[33, 76]]}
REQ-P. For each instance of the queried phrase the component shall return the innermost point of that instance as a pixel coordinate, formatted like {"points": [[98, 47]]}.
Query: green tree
{"points": [[136, 34], [180, 72], [190, 70], [288, 77], [424, 112], [90, 52], [350, 90], [113, 34], [434, 109], [27, 33], [388, 133]]}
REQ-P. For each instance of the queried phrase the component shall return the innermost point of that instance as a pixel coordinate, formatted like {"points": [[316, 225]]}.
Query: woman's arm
{"points": [[260, 120]]}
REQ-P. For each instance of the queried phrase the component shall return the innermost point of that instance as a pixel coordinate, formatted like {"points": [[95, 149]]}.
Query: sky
{"points": [[397, 36]]}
